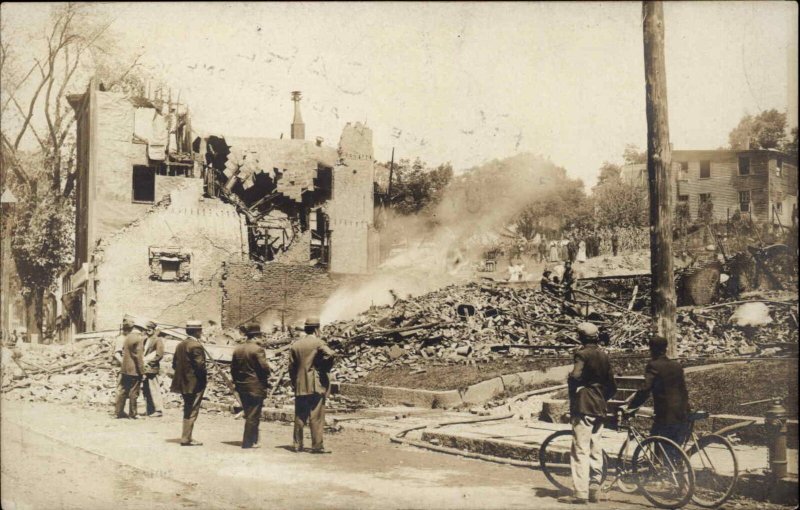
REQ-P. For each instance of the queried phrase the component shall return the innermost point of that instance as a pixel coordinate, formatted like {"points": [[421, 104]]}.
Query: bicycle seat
{"points": [[698, 415]]}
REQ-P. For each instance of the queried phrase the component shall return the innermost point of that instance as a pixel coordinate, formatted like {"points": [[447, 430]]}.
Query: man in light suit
{"points": [[153, 352], [189, 379], [310, 361], [250, 374], [131, 369]]}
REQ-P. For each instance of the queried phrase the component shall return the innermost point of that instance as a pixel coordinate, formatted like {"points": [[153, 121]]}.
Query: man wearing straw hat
{"points": [[310, 361], [189, 379], [250, 374]]}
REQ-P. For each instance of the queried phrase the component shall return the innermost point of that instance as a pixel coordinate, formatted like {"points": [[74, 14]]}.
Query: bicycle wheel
{"points": [[663, 472], [554, 458], [716, 470], [626, 478]]}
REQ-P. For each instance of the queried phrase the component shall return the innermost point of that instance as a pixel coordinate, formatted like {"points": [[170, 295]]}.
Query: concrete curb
{"points": [[477, 393]]}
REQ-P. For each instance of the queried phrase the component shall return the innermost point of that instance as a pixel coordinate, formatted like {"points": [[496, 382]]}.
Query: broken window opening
{"points": [[170, 264], [143, 184]]}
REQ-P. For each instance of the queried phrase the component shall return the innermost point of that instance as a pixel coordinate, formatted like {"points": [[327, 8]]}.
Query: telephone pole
{"points": [[659, 158]]}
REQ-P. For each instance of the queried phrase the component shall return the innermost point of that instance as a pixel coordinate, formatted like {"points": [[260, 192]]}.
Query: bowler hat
{"points": [[252, 329], [312, 321]]}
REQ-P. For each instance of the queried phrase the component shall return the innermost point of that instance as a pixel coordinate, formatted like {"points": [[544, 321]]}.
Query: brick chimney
{"points": [[298, 128]]}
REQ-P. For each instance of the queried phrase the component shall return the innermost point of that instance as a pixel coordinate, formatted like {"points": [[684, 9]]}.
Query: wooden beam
{"points": [[659, 159]]}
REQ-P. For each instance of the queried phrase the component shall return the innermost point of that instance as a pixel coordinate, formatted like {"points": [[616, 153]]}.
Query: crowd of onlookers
{"points": [[580, 244]]}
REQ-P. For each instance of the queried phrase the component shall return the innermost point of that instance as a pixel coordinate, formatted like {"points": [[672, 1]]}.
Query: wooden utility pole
{"points": [[391, 175], [659, 159]]}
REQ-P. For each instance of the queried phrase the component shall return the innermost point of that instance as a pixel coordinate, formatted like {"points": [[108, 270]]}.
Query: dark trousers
{"points": [[191, 408], [127, 389], [309, 410], [252, 406], [675, 431]]}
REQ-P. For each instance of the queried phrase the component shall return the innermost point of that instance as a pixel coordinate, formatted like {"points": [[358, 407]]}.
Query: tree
{"points": [[34, 110], [620, 204], [633, 156], [417, 188], [767, 130], [608, 172], [790, 144], [565, 205]]}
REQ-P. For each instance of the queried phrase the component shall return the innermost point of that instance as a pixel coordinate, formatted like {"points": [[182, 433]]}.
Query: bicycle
{"points": [[715, 465], [658, 467]]}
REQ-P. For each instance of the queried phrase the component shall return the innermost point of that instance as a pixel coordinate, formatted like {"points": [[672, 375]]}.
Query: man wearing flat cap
{"points": [[153, 352], [310, 361], [250, 374], [189, 379], [131, 368], [591, 384]]}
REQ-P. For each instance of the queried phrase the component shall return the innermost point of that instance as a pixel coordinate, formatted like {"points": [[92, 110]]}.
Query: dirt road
{"points": [[56, 456]]}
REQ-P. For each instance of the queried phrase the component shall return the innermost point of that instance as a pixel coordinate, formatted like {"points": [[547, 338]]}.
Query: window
{"points": [[144, 184], [170, 265], [744, 165], [683, 175], [744, 201], [778, 167], [779, 208], [683, 198], [705, 198], [705, 169]]}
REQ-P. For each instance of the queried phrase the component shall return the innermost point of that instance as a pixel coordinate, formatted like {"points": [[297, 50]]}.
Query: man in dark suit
{"points": [[189, 379], [153, 352], [591, 384], [131, 369], [310, 361], [664, 378], [250, 374]]}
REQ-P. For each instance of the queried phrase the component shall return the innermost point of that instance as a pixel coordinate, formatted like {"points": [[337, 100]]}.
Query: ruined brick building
{"points": [[162, 215]]}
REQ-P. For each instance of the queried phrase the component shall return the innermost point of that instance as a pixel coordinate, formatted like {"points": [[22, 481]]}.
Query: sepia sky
{"points": [[467, 82]]}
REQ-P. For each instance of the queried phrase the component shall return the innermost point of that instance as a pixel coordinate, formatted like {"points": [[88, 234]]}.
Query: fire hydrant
{"points": [[775, 424]]}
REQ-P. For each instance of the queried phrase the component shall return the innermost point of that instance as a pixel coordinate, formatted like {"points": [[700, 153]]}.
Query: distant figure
{"points": [[190, 378], [614, 243], [250, 374], [547, 284], [542, 250], [310, 361], [581, 257], [568, 281], [554, 252], [572, 250]]}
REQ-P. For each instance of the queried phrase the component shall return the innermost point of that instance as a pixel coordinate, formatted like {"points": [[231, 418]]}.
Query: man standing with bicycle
{"points": [[591, 384], [665, 380]]}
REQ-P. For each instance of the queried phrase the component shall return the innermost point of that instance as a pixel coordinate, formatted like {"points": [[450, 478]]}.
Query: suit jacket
{"points": [[133, 355], [310, 361], [664, 379], [189, 363], [153, 352], [591, 382], [116, 356], [249, 370]]}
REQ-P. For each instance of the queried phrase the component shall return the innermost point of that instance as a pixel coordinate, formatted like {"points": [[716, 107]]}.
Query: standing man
{"points": [[310, 361], [591, 384], [614, 242], [189, 364], [250, 374], [663, 377], [131, 369], [568, 280], [153, 352]]}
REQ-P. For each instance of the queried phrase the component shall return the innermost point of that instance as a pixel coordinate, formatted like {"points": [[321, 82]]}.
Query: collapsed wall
{"points": [[272, 293], [167, 265]]}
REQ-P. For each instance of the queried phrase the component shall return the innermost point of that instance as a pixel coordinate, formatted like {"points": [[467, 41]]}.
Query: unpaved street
{"points": [[63, 457]]}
